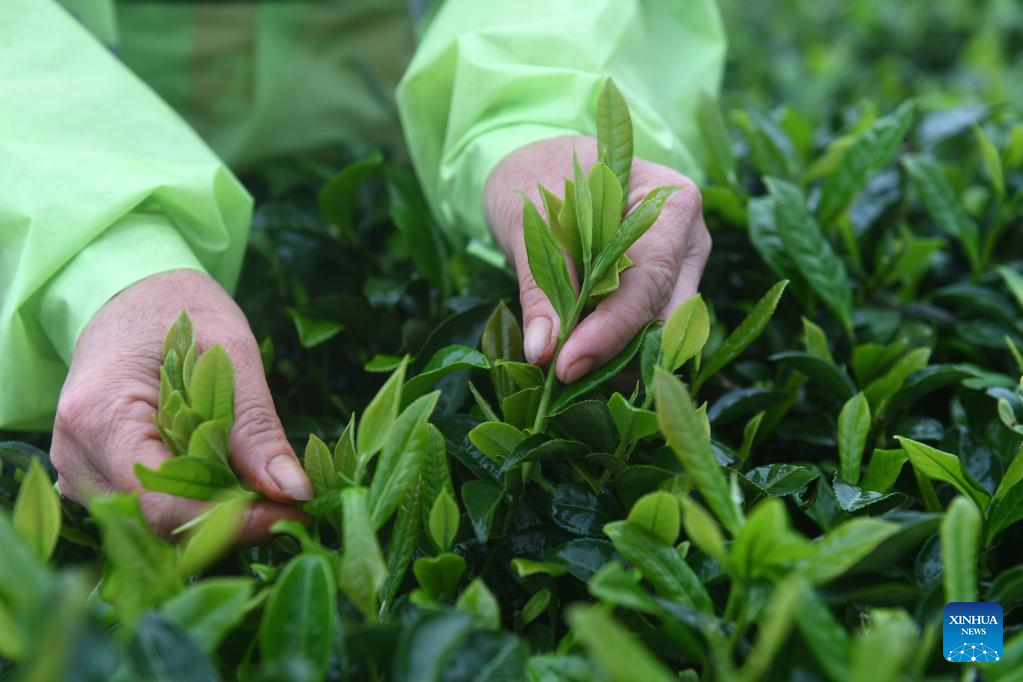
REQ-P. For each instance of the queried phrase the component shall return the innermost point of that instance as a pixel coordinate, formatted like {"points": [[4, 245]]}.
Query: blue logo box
{"points": [[972, 632]]}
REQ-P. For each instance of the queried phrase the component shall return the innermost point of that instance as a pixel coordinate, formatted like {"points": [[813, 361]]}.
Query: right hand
{"points": [[104, 418]]}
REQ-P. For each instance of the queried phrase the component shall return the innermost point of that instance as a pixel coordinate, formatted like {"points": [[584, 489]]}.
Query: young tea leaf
{"points": [[481, 602], [37, 514], [810, 251], [443, 523], [180, 337], [547, 262], [703, 531], [211, 392], [928, 177], [502, 336], [211, 609], [743, 335], [608, 198], [633, 227], [685, 333], [944, 466], [658, 513], [299, 617], [401, 459], [319, 465], [401, 545], [439, 575], [615, 648], [379, 415], [687, 436], [869, 153], [714, 131], [614, 132], [583, 206], [853, 428], [346, 459], [363, 570], [190, 477], [960, 546]]}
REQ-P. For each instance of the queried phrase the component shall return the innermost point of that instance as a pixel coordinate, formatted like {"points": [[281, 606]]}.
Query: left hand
{"points": [[669, 258]]}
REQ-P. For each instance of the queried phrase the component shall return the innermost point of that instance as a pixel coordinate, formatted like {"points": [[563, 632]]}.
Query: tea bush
{"points": [[786, 480]]}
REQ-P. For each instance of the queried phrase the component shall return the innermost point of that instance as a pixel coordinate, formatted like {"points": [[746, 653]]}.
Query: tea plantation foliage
{"points": [[787, 481]]}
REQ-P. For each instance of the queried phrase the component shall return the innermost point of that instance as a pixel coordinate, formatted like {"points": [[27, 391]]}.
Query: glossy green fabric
{"points": [[119, 123]]}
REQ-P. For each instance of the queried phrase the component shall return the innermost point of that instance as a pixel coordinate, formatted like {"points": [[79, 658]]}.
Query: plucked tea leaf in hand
{"points": [[583, 206], [191, 477], [211, 393], [633, 227], [563, 223], [547, 262], [614, 132], [608, 198], [209, 441], [180, 337]]}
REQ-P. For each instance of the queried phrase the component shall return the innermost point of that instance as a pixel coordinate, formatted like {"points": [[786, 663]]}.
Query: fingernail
{"points": [[538, 333], [580, 368], [290, 478]]}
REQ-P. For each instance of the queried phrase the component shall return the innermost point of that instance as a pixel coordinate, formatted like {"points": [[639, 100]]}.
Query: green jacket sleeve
{"points": [[490, 77], [103, 185]]}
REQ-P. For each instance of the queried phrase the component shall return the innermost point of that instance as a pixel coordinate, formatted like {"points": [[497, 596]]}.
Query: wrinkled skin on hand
{"points": [[104, 420], [669, 258]]}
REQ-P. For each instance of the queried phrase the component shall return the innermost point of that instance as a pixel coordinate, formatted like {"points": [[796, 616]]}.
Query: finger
{"points": [[539, 321], [691, 271], [644, 290], [165, 513], [260, 452]]}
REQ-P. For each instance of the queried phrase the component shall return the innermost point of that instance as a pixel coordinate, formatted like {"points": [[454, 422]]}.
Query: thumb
{"points": [[260, 452]]}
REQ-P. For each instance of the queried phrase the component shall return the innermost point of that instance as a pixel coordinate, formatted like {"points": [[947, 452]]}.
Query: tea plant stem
{"points": [[566, 329]]}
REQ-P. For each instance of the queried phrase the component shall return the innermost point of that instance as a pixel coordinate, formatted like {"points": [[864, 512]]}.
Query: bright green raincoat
{"points": [[119, 121]]}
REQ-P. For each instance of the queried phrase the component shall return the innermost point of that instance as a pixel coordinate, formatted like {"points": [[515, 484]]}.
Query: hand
{"points": [[669, 258], [104, 418]]}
